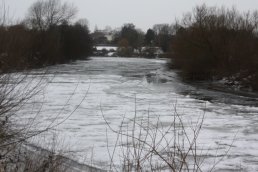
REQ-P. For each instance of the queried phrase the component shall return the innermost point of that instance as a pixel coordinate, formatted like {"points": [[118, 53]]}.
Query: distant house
{"points": [[108, 48], [109, 36], [102, 37], [114, 51], [109, 51], [151, 51]]}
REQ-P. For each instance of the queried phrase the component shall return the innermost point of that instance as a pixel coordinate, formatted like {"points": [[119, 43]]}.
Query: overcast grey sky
{"points": [[143, 13]]}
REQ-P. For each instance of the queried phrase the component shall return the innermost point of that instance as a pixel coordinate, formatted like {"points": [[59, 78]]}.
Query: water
{"points": [[79, 96]]}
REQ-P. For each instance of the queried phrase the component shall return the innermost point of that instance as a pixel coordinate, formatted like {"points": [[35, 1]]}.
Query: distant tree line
{"points": [[160, 35], [130, 39], [215, 43], [45, 37]]}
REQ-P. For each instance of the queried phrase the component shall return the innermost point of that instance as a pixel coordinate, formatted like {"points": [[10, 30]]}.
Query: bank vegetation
{"points": [[213, 43], [46, 36]]}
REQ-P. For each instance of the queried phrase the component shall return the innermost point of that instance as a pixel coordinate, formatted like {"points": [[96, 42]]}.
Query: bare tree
{"points": [[2, 14], [45, 13], [83, 22], [144, 144]]}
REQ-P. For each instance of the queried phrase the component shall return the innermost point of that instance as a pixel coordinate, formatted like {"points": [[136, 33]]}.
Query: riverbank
{"points": [[28, 157], [223, 87], [217, 92]]}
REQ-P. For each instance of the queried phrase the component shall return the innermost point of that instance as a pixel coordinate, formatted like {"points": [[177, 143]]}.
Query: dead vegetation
{"points": [[215, 43], [146, 145]]}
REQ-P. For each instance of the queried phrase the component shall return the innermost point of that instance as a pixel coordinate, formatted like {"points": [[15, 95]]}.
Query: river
{"points": [[80, 98]]}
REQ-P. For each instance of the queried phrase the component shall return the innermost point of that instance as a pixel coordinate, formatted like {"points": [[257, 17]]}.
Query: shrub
{"points": [[216, 42]]}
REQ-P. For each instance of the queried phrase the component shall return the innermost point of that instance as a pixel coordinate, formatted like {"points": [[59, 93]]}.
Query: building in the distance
{"points": [[102, 37]]}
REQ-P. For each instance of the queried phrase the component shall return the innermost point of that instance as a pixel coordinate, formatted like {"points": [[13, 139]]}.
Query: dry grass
{"points": [[144, 145]]}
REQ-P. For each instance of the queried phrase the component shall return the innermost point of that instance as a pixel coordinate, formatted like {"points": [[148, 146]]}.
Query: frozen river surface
{"points": [[78, 95]]}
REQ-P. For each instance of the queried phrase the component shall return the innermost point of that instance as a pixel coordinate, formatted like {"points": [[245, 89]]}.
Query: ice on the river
{"points": [[77, 94]]}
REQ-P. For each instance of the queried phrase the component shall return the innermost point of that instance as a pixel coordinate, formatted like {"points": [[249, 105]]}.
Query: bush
{"points": [[214, 42], [23, 48]]}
